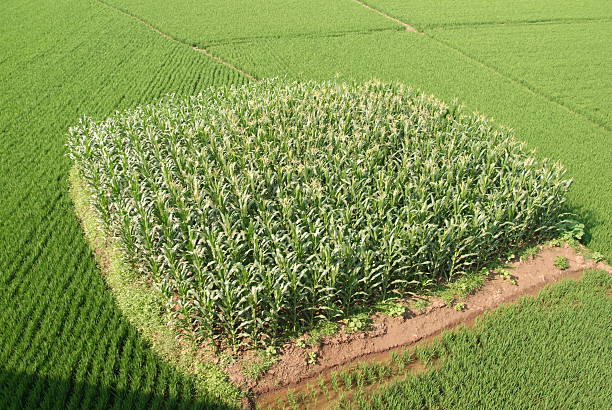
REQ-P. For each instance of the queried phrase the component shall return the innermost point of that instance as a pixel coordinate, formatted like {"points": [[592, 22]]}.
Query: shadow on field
{"points": [[588, 218], [20, 390]]}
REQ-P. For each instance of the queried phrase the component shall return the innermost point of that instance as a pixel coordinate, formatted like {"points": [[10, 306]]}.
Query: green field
{"points": [[64, 340], [425, 15], [540, 364], [556, 61], [213, 21]]}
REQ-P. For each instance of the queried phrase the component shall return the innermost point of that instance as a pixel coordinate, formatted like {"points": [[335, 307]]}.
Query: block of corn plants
{"points": [[259, 210]]}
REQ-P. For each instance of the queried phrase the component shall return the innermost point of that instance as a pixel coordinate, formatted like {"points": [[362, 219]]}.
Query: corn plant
{"points": [[264, 209]]}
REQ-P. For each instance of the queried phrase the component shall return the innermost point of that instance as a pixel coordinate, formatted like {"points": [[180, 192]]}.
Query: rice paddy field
{"points": [[542, 69]]}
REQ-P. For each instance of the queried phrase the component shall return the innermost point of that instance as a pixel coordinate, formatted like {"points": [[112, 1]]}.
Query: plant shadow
{"points": [[19, 390]]}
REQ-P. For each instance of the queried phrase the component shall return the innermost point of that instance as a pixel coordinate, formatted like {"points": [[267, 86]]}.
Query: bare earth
{"points": [[292, 370]]}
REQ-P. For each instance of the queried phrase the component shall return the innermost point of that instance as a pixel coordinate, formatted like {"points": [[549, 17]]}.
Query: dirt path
{"points": [[293, 372]]}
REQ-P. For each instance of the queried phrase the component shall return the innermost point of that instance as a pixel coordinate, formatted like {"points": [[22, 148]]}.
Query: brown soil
{"points": [[386, 333]]}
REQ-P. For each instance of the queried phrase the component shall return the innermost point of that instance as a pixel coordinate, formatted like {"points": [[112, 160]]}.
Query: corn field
{"points": [[258, 210]]}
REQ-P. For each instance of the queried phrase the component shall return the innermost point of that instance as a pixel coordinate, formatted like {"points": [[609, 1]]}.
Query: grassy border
{"points": [[140, 304]]}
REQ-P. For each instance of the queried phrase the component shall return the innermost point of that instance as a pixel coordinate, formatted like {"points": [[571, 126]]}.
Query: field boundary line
{"points": [[200, 50], [530, 88], [332, 34], [407, 26], [484, 24]]}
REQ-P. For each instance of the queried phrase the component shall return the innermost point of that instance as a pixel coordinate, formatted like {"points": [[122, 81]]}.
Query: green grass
{"points": [[425, 14], [206, 22], [553, 130], [549, 351], [64, 341]]}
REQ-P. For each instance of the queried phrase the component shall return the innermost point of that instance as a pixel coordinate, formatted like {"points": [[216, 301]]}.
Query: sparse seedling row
{"points": [[506, 275]]}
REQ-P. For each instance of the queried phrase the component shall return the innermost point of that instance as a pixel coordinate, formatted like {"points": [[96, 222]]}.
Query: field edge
{"points": [[524, 278], [140, 305], [567, 295]]}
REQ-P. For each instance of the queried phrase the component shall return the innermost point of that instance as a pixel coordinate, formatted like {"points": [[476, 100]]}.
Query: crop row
{"points": [[449, 13], [205, 22]]}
